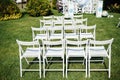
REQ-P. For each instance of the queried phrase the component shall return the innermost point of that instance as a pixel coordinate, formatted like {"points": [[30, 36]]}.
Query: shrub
{"points": [[38, 8], [114, 8], [54, 4], [9, 10]]}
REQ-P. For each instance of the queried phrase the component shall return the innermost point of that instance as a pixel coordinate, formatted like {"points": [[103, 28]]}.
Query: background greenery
{"points": [[21, 29], [38, 8], [109, 3], [9, 10]]}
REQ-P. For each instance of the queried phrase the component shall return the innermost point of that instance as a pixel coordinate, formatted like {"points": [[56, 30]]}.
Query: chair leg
{"points": [[109, 67], [20, 67], [66, 66], [86, 68], [63, 67], [44, 68], [89, 67], [40, 67], [118, 24]]}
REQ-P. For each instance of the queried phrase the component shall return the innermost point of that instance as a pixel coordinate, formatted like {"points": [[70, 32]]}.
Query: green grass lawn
{"points": [[21, 29]]}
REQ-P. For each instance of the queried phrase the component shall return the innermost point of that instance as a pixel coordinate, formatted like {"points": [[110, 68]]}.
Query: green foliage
{"points": [[107, 3], [54, 4], [9, 10], [38, 8], [114, 8]]}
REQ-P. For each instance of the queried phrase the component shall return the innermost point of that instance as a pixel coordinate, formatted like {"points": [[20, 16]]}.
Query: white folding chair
{"points": [[29, 50], [53, 49], [70, 30], [76, 49], [100, 49], [39, 33], [57, 31], [87, 32]]}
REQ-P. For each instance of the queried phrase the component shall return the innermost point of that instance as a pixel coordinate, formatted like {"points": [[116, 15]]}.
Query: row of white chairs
{"points": [[65, 49], [53, 17], [64, 32], [50, 20]]}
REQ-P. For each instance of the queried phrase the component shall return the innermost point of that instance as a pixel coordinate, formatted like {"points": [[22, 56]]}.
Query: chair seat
{"points": [[41, 36], [71, 35], [32, 52], [86, 35], [55, 36], [54, 52], [76, 52], [98, 51]]}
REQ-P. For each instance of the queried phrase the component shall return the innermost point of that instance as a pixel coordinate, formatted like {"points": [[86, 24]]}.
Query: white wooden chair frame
{"points": [[31, 51], [97, 49], [76, 50], [49, 51]]}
